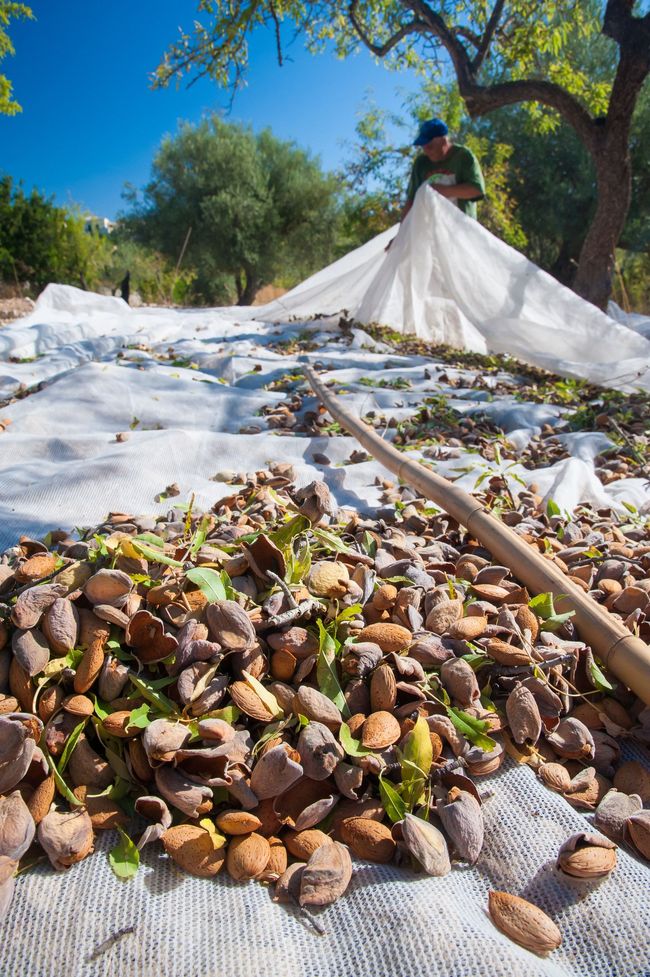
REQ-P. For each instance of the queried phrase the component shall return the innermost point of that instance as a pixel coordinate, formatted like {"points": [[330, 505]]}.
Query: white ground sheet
{"points": [[99, 369]]}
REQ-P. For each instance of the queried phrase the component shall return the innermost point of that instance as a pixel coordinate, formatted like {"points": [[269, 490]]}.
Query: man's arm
{"points": [[458, 191]]}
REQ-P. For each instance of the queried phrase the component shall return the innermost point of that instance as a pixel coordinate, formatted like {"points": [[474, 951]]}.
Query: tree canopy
{"points": [[503, 53], [9, 10], [245, 208]]}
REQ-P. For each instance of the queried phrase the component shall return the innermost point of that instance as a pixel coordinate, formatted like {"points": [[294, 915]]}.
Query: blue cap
{"points": [[430, 130]]}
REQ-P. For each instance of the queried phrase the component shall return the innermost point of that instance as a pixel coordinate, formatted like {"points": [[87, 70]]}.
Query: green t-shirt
{"points": [[459, 166]]}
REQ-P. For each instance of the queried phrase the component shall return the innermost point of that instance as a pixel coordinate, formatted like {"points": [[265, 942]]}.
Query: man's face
{"points": [[437, 148]]}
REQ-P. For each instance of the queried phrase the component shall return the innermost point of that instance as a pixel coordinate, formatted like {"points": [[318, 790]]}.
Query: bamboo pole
{"points": [[624, 654]]}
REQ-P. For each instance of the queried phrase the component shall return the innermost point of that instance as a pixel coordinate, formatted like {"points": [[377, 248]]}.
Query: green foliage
{"points": [[532, 39], [254, 208], [9, 10], [42, 243]]}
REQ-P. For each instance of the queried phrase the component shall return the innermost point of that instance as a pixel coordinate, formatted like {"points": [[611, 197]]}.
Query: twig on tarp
{"points": [[111, 941]]}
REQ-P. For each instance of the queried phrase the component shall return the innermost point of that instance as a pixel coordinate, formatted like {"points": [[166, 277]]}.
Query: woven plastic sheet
{"points": [[391, 922]]}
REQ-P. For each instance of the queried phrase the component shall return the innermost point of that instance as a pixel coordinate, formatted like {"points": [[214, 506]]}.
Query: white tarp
{"points": [[448, 280], [182, 385]]}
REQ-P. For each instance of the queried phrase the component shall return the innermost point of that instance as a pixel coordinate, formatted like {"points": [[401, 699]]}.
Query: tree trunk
{"points": [[593, 280], [246, 294], [611, 156]]}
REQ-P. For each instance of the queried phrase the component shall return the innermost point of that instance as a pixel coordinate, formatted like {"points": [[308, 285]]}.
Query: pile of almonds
{"points": [[276, 686]]}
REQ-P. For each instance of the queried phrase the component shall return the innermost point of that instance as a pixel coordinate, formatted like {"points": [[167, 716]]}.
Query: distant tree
{"points": [[42, 243], [504, 52], [9, 11], [244, 208]]}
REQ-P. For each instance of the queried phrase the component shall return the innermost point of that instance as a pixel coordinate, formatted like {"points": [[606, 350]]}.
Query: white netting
{"points": [[390, 922]]}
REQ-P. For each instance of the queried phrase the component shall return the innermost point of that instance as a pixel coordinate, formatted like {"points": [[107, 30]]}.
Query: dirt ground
{"points": [[14, 308]]}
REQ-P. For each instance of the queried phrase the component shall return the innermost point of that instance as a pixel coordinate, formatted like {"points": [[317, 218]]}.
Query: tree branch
{"points": [[490, 30], [381, 50], [481, 99], [437, 26]]}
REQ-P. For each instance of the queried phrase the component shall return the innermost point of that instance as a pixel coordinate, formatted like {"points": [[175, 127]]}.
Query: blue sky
{"points": [[90, 122]]}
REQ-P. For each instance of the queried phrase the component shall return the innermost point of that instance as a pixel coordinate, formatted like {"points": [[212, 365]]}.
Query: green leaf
{"points": [[61, 785], [351, 746], [393, 804], [543, 605], [348, 613], [71, 742], [151, 539], [298, 559], [326, 675], [152, 695], [416, 761], [599, 679], [330, 541], [155, 555], [101, 708], [209, 582], [229, 714], [368, 543], [473, 729], [552, 509], [124, 859], [294, 527], [140, 717]]}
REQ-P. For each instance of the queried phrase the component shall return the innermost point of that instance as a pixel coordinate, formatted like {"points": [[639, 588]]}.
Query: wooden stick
{"points": [[624, 654]]}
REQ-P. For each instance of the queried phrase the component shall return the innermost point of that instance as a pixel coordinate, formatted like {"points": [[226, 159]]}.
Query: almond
{"points": [[117, 724], [35, 568], [41, 799], [193, 849], [389, 637], [468, 628], [368, 839], [587, 856], [637, 830], [491, 592], [524, 923], [383, 689], [303, 844], [247, 857], [527, 621], [507, 654], [381, 729], [79, 705], [90, 665], [555, 776], [246, 699], [237, 822], [277, 863]]}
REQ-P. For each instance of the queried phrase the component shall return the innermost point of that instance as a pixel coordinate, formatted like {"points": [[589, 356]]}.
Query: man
{"points": [[453, 171]]}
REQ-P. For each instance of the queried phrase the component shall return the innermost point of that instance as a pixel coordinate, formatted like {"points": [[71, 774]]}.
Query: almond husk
{"points": [[524, 923], [326, 875]]}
